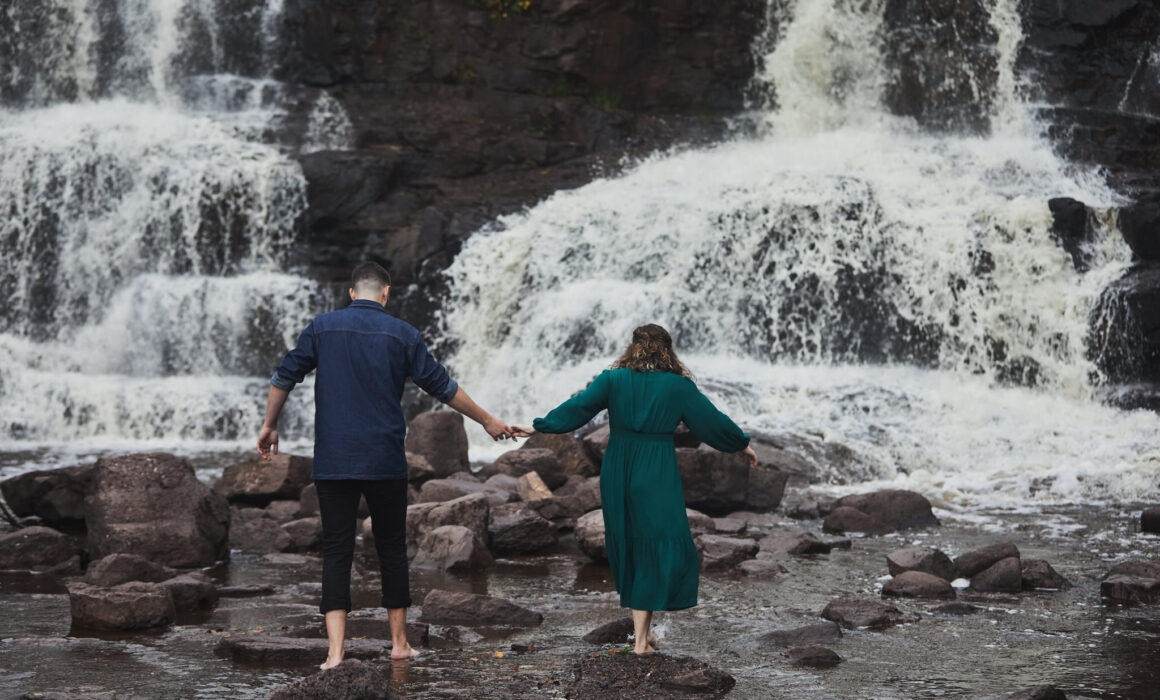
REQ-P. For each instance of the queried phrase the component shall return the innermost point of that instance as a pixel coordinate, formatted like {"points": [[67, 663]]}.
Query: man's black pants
{"points": [[338, 501]]}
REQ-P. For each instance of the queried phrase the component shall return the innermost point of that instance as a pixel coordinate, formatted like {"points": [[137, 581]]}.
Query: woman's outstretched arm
{"points": [[574, 412], [714, 427]]}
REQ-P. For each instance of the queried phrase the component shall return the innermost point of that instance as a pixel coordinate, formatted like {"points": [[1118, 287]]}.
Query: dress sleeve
{"points": [[577, 410], [713, 427], [298, 363]]}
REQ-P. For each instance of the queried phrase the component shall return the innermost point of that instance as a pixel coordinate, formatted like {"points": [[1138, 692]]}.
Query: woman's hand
{"points": [[750, 456], [521, 431]]}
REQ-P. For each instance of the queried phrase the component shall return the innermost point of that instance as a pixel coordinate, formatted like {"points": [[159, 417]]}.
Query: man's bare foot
{"points": [[330, 662], [403, 654]]}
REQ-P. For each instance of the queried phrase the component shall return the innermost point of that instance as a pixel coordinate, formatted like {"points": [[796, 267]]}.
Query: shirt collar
{"points": [[366, 304]]}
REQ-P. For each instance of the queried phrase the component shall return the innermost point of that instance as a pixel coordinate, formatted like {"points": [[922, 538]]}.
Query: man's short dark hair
{"points": [[369, 273]]}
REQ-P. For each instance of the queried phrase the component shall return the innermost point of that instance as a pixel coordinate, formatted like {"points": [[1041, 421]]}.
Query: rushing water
{"points": [[842, 273]]}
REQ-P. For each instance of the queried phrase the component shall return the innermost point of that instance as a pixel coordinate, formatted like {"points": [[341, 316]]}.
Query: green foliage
{"points": [[502, 9], [607, 100]]}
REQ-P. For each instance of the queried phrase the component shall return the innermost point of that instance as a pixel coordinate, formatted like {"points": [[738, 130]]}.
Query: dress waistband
{"points": [[652, 437]]}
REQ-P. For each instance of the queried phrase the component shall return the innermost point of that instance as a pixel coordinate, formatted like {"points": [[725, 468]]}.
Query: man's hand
{"points": [[267, 442], [750, 456], [519, 431], [497, 429]]}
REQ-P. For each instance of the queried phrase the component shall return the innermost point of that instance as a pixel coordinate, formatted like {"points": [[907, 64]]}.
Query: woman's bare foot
{"points": [[403, 654], [652, 640], [330, 662], [648, 649]]}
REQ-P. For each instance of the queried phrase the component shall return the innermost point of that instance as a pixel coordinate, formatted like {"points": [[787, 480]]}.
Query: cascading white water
{"points": [[143, 294], [844, 274]]}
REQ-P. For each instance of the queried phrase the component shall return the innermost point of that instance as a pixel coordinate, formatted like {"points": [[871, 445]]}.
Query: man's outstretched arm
{"points": [[268, 437], [497, 429]]}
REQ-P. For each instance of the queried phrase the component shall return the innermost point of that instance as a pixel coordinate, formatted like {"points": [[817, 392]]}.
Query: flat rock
{"points": [[646, 676], [192, 591], [259, 536], [852, 613], [729, 526], [128, 606], [56, 496], [442, 490], [452, 548], [154, 506], [615, 632], [258, 482], [1004, 576], [1037, 573], [1141, 569], [699, 522], [1122, 588], [957, 609], [290, 559], [542, 462], [918, 584], [350, 680], [925, 559], [590, 535], [305, 533], [847, 519], [819, 633], [440, 438], [813, 656], [265, 648], [794, 543], [514, 528], [974, 561], [38, 548], [252, 590], [892, 509], [719, 552], [469, 608], [760, 568]]}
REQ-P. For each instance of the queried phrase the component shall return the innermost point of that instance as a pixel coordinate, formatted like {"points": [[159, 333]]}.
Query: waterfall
{"points": [[148, 219], [843, 273]]}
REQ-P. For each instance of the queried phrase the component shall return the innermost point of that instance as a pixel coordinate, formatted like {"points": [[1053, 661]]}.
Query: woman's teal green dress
{"points": [[650, 549]]}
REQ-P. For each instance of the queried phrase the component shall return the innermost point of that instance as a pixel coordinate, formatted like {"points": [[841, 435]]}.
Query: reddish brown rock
{"points": [[891, 509], [472, 609], [925, 559], [918, 584], [129, 606], [573, 457], [38, 549], [976, 560], [258, 482], [440, 438], [1004, 576]]}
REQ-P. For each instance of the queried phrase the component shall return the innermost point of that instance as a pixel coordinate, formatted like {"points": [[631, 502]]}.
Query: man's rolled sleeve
{"points": [[429, 375], [299, 362]]}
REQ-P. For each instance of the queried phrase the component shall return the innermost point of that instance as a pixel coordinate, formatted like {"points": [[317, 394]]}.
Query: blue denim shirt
{"points": [[363, 356]]}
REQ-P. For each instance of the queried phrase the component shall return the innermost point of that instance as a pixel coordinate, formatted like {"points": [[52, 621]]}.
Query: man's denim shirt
{"points": [[363, 356]]}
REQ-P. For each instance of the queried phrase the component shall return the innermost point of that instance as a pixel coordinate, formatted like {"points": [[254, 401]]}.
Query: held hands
{"points": [[267, 442], [519, 431], [498, 430]]}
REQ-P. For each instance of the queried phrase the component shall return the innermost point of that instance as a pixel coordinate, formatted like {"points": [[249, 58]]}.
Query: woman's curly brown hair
{"points": [[651, 350]]}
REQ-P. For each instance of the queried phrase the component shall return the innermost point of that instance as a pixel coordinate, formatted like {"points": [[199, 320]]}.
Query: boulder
{"points": [[441, 490], [259, 536], [807, 459], [516, 463], [918, 584], [349, 680], [714, 482], [890, 509], [590, 535], [116, 569], [56, 496], [765, 488], [503, 482], [452, 548], [258, 482], [720, 552], [1150, 519], [846, 519], [308, 501], [760, 568], [1039, 574], [154, 506], [699, 522], [616, 632], [1140, 226], [1070, 229], [596, 442], [469, 511], [440, 438], [38, 548], [472, 609], [282, 511], [1124, 588], [819, 633], [925, 559], [569, 450], [530, 487], [419, 470], [128, 606], [514, 528], [794, 543], [1004, 576], [852, 613], [192, 591], [813, 656], [291, 651], [305, 533], [1141, 569], [976, 560], [582, 492]]}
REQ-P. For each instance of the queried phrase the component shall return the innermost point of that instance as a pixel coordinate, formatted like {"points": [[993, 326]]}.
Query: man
{"points": [[363, 356]]}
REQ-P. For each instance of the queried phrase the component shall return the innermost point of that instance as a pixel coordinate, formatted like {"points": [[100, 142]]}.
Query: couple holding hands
{"points": [[363, 357]]}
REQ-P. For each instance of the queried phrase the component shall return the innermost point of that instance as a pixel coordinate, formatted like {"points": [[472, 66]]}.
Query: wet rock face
{"points": [[153, 505], [350, 679], [1125, 337], [852, 613], [55, 496], [129, 606], [646, 676]]}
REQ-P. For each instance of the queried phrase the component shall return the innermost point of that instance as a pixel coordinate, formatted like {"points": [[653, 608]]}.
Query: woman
{"points": [[647, 392]]}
